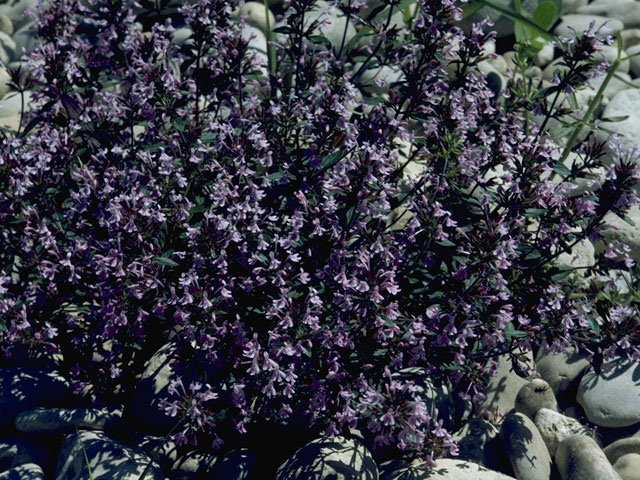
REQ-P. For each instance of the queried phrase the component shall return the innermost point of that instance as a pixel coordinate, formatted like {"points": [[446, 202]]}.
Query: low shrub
{"points": [[255, 207]]}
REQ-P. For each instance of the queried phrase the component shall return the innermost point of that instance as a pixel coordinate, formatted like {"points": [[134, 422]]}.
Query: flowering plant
{"points": [[287, 219]]}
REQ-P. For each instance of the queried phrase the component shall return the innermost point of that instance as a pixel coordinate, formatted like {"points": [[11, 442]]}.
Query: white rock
{"points": [[626, 11], [581, 23], [630, 37], [628, 466], [4, 81], [332, 24], [378, 80], [6, 25], [522, 443], [28, 471], [338, 458], [12, 104], [501, 24], [621, 231], [533, 396], [255, 15], [555, 427], [561, 371], [502, 389], [446, 469], [81, 453], [16, 10], [25, 39], [611, 399], [544, 56], [624, 108], [571, 6], [580, 458]]}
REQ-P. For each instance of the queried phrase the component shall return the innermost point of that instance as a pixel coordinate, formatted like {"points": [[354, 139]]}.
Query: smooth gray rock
{"points": [[18, 450], [11, 104], [581, 23], [580, 458], [622, 447], [15, 11], [626, 11], [65, 420], [107, 459], [143, 411], [6, 25], [612, 399], [502, 389], [338, 458], [25, 40], [621, 231], [533, 396], [195, 464], [502, 25], [561, 371], [525, 448], [162, 451], [445, 469], [628, 466], [555, 427], [25, 388], [28, 471], [474, 442]]}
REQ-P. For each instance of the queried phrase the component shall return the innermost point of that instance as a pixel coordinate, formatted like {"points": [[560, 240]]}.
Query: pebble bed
{"points": [[571, 423]]}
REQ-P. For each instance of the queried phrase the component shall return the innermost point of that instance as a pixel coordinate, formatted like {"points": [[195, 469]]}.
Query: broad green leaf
{"points": [[471, 8], [167, 262], [534, 212], [545, 15]]}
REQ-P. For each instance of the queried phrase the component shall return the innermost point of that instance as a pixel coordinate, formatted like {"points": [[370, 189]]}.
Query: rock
{"points": [[624, 107], [143, 411], [545, 55], [525, 448], [194, 464], [181, 35], [9, 46], [12, 104], [17, 450], [15, 11], [502, 25], [4, 81], [333, 23], [162, 451], [445, 469], [570, 6], [579, 458], [337, 458], [378, 80], [25, 388], [434, 396], [28, 471], [611, 399], [581, 255], [561, 371], [630, 37], [622, 447], [620, 231], [65, 420], [502, 389], [478, 443], [6, 25], [255, 15], [581, 23], [533, 396], [25, 40], [555, 427], [106, 459], [626, 11], [615, 84], [628, 466]]}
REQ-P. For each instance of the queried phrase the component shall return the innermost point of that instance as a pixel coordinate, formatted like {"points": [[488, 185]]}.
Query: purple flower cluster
{"points": [[160, 191]]}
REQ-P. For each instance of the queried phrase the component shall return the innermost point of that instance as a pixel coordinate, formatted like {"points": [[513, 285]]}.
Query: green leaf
{"points": [[534, 212], [164, 261], [593, 324], [154, 147], [627, 220], [180, 124], [331, 159], [208, 137], [445, 243], [564, 273], [561, 169], [471, 8], [545, 15]]}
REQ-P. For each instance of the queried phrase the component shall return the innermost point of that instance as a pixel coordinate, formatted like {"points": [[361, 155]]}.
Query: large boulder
{"points": [[325, 458], [95, 456]]}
